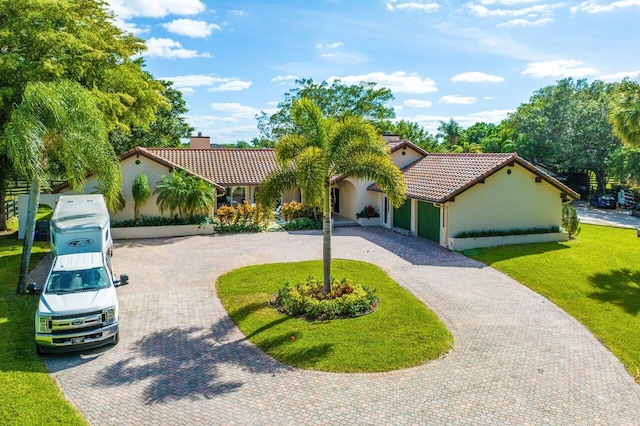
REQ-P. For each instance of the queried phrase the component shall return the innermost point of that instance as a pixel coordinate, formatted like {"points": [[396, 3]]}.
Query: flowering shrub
{"points": [[366, 212], [294, 210], [226, 215], [305, 299]]}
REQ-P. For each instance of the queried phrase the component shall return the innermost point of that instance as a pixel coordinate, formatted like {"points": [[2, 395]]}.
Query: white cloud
{"points": [[235, 109], [507, 2], [559, 68], [192, 80], [477, 77], [220, 84], [170, 49], [488, 98], [130, 27], [458, 100], [618, 76], [593, 7], [525, 23], [412, 5], [285, 78], [531, 11], [239, 13], [126, 9], [191, 28], [333, 45], [273, 103], [417, 103], [398, 82], [186, 90], [231, 86]]}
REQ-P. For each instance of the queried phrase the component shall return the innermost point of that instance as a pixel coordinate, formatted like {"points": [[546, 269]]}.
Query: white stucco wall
{"points": [[404, 160], [505, 201], [130, 170]]}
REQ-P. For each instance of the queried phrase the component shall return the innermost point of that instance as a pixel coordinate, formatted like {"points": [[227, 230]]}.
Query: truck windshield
{"points": [[61, 282]]}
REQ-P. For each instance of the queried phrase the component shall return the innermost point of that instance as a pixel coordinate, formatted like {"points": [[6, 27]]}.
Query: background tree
{"points": [[50, 40], [185, 194], [59, 121], [409, 130], [625, 112], [141, 191], [334, 100], [450, 131], [322, 148], [565, 127], [167, 129]]}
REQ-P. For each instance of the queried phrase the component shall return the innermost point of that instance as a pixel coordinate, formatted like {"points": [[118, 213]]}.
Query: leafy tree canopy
{"points": [[76, 40], [409, 130], [625, 112], [167, 129], [565, 127], [335, 100]]}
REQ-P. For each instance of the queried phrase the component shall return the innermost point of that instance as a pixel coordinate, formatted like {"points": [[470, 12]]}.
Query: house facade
{"points": [[447, 193]]}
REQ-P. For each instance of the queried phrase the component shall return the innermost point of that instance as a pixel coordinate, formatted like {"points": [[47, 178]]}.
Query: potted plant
{"points": [[368, 216]]}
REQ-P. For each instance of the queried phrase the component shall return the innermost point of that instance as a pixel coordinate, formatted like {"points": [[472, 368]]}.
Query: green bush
{"points": [[302, 224], [570, 221], [305, 299], [507, 232], [159, 221]]}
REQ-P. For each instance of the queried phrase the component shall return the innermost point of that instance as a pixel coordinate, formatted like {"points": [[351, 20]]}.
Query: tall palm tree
{"points": [[185, 194], [59, 122], [625, 112], [450, 131], [141, 191], [321, 149], [466, 147]]}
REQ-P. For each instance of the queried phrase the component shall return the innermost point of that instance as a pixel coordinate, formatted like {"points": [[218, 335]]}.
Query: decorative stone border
{"points": [[459, 244], [136, 232]]}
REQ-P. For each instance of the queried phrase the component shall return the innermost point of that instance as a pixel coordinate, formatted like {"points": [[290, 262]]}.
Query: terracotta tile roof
{"points": [[440, 177], [225, 167], [401, 143]]}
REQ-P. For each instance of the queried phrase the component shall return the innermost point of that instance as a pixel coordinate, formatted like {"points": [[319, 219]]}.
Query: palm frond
{"points": [[276, 182]]}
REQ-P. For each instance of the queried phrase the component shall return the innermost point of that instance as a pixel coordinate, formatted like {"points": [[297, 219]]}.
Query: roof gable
{"points": [[440, 177]]}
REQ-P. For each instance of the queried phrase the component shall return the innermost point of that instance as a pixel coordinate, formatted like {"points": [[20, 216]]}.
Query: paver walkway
{"points": [[517, 358]]}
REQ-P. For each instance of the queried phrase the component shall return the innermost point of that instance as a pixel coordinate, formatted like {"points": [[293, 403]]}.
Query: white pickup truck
{"points": [[78, 306]]}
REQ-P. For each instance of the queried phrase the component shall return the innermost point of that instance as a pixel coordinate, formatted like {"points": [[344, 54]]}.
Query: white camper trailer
{"points": [[80, 224]]}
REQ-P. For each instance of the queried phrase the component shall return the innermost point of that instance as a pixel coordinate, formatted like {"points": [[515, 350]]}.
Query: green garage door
{"points": [[428, 221], [402, 216]]}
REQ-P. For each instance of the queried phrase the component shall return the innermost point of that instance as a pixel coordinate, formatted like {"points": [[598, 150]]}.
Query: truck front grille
{"points": [[68, 323]]}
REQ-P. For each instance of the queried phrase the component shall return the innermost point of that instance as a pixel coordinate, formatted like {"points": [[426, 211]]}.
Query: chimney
{"points": [[199, 142], [388, 137]]}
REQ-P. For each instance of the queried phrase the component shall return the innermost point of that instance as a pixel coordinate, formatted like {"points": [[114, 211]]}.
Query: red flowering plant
{"points": [[367, 212]]}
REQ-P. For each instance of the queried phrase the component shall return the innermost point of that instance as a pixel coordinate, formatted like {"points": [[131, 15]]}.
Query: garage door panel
{"points": [[428, 221]]}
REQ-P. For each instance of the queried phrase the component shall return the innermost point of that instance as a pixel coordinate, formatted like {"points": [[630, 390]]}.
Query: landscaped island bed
{"points": [[401, 333]]}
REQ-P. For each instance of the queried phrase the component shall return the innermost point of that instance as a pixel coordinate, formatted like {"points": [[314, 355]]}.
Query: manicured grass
{"points": [[595, 278], [28, 395], [401, 333]]}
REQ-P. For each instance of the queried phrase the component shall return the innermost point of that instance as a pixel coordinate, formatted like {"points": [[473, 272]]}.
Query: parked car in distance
{"points": [[603, 201]]}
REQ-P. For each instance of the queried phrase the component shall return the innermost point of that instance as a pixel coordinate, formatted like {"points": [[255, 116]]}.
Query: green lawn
{"points": [[401, 333], [595, 278], [28, 395]]}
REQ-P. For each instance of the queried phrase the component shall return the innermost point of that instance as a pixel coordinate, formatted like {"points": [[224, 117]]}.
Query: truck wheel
{"points": [[39, 351], [116, 339]]}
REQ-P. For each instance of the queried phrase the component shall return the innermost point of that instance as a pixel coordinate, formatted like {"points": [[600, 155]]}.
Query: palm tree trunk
{"points": [[326, 239], [30, 227]]}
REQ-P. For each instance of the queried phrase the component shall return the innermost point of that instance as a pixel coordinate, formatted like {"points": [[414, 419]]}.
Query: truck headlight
{"points": [[109, 315], [43, 324]]}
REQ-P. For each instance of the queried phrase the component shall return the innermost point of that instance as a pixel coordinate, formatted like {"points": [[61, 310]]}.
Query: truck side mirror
{"points": [[124, 280], [33, 289]]}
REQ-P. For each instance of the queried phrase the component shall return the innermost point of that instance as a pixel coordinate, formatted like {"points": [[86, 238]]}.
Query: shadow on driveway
{"points": [[180, 363]]}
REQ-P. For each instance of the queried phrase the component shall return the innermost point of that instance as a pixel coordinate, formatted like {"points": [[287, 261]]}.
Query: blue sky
{"points": [[471, 61]]}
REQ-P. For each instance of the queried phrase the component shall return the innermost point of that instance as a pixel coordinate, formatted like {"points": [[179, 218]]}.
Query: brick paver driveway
{"points": [[517, 358]]}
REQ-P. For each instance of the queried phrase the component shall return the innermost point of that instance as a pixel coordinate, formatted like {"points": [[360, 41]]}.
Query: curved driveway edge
{"points": [[517, 358]]}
